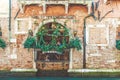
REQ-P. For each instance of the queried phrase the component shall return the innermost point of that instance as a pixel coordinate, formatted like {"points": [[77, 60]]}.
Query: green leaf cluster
{"points": [[2, 43], [30, 42], [75, 43], [118, 44], [53, 44]]}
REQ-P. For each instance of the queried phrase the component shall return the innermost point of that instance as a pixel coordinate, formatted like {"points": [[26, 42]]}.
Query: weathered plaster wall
{"points": [[104, 56], [14, 55]]}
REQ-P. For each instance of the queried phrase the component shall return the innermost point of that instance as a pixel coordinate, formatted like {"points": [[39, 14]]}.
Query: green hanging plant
{"points": [[56, 44], [53, 43], [30, 42], [41, 44], [118, 44], [40, 41], [60, 48], [56, 32], [66, 32], [75, 43], [2, 43], [46, 47]]}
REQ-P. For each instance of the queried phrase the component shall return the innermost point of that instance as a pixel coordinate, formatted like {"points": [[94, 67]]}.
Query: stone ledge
{"points": [[94, 70], [23, 70]]}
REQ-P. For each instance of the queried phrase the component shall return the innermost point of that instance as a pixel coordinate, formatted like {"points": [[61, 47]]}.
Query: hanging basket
{"points": [[30, 42], [75, 43], [118, 44], [52, 37], [2, 43]]}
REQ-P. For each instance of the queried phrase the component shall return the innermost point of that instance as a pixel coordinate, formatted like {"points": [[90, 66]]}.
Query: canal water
{"points": [[55, 78]]}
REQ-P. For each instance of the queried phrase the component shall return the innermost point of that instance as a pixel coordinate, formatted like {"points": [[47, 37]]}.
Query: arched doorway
{"points": [[52, 39]]}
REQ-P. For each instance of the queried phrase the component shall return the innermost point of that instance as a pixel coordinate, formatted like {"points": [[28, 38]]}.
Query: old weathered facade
{"points": [[98, 38]]}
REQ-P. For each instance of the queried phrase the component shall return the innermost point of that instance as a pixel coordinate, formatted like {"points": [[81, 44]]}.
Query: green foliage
{"points": [[2, 43], [118, 44], [66, 32], [45, 47], [75, 43], [56, 32], [54, 44], [30, 42], [60, 48]]}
